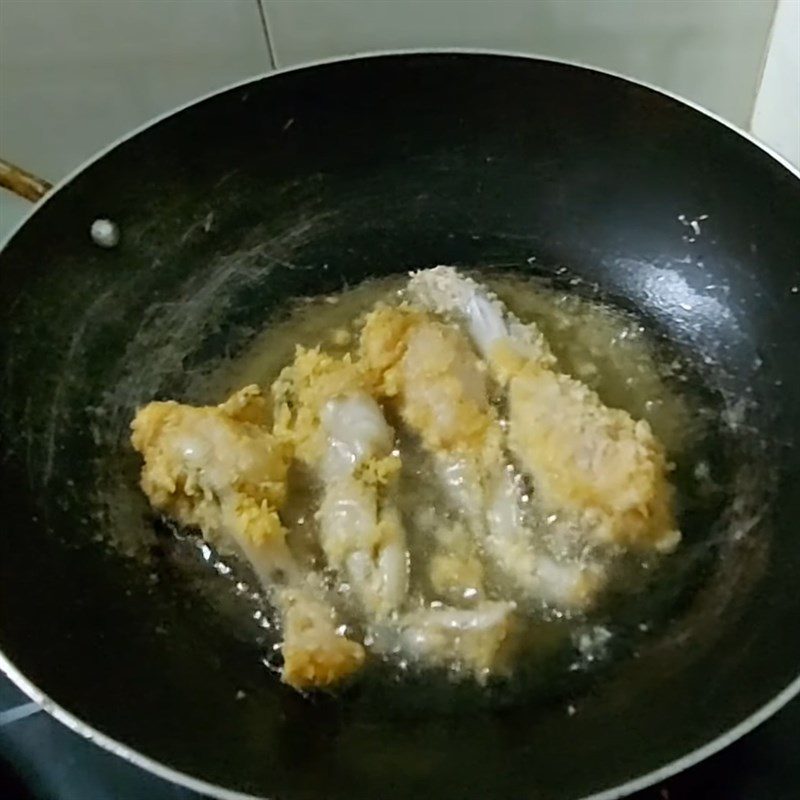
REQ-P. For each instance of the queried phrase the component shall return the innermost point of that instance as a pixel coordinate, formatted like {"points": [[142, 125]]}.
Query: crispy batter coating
{"points": [[220, 469]]}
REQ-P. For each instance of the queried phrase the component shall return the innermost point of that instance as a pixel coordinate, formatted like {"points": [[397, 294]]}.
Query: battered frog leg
{"points": [[219, 469], [478, 640], [571, 584], [501, 339], [432, 375], [360, 526], [315, 653], [429, 374], [341, 434], [595, 464]]}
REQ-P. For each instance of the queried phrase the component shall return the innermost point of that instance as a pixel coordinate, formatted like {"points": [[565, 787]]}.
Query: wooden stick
{"points": [[23, 183]]}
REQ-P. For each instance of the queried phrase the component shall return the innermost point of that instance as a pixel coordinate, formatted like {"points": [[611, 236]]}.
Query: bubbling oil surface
{"points": [[611, 351]]}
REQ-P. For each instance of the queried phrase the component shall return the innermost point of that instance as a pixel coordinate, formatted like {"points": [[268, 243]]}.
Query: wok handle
{"points": [[23, 183]]}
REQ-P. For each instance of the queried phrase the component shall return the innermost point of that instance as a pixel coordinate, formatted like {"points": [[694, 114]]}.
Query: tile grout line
{"points": [[262, 14], [762, 67]]}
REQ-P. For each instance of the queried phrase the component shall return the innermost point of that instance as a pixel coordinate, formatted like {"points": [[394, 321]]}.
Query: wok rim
{"points": [[175, 776]]}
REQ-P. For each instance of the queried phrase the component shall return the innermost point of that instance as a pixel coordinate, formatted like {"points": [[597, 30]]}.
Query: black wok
{"points": [[316, 178]]}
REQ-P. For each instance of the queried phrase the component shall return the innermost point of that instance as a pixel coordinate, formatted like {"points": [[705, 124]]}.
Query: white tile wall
{"points": [[776, 119], [12, 210], [707, 50], [77, 74]]}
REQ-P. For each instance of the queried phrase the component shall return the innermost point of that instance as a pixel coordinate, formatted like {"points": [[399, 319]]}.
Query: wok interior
{"points": [[314, 180]]}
